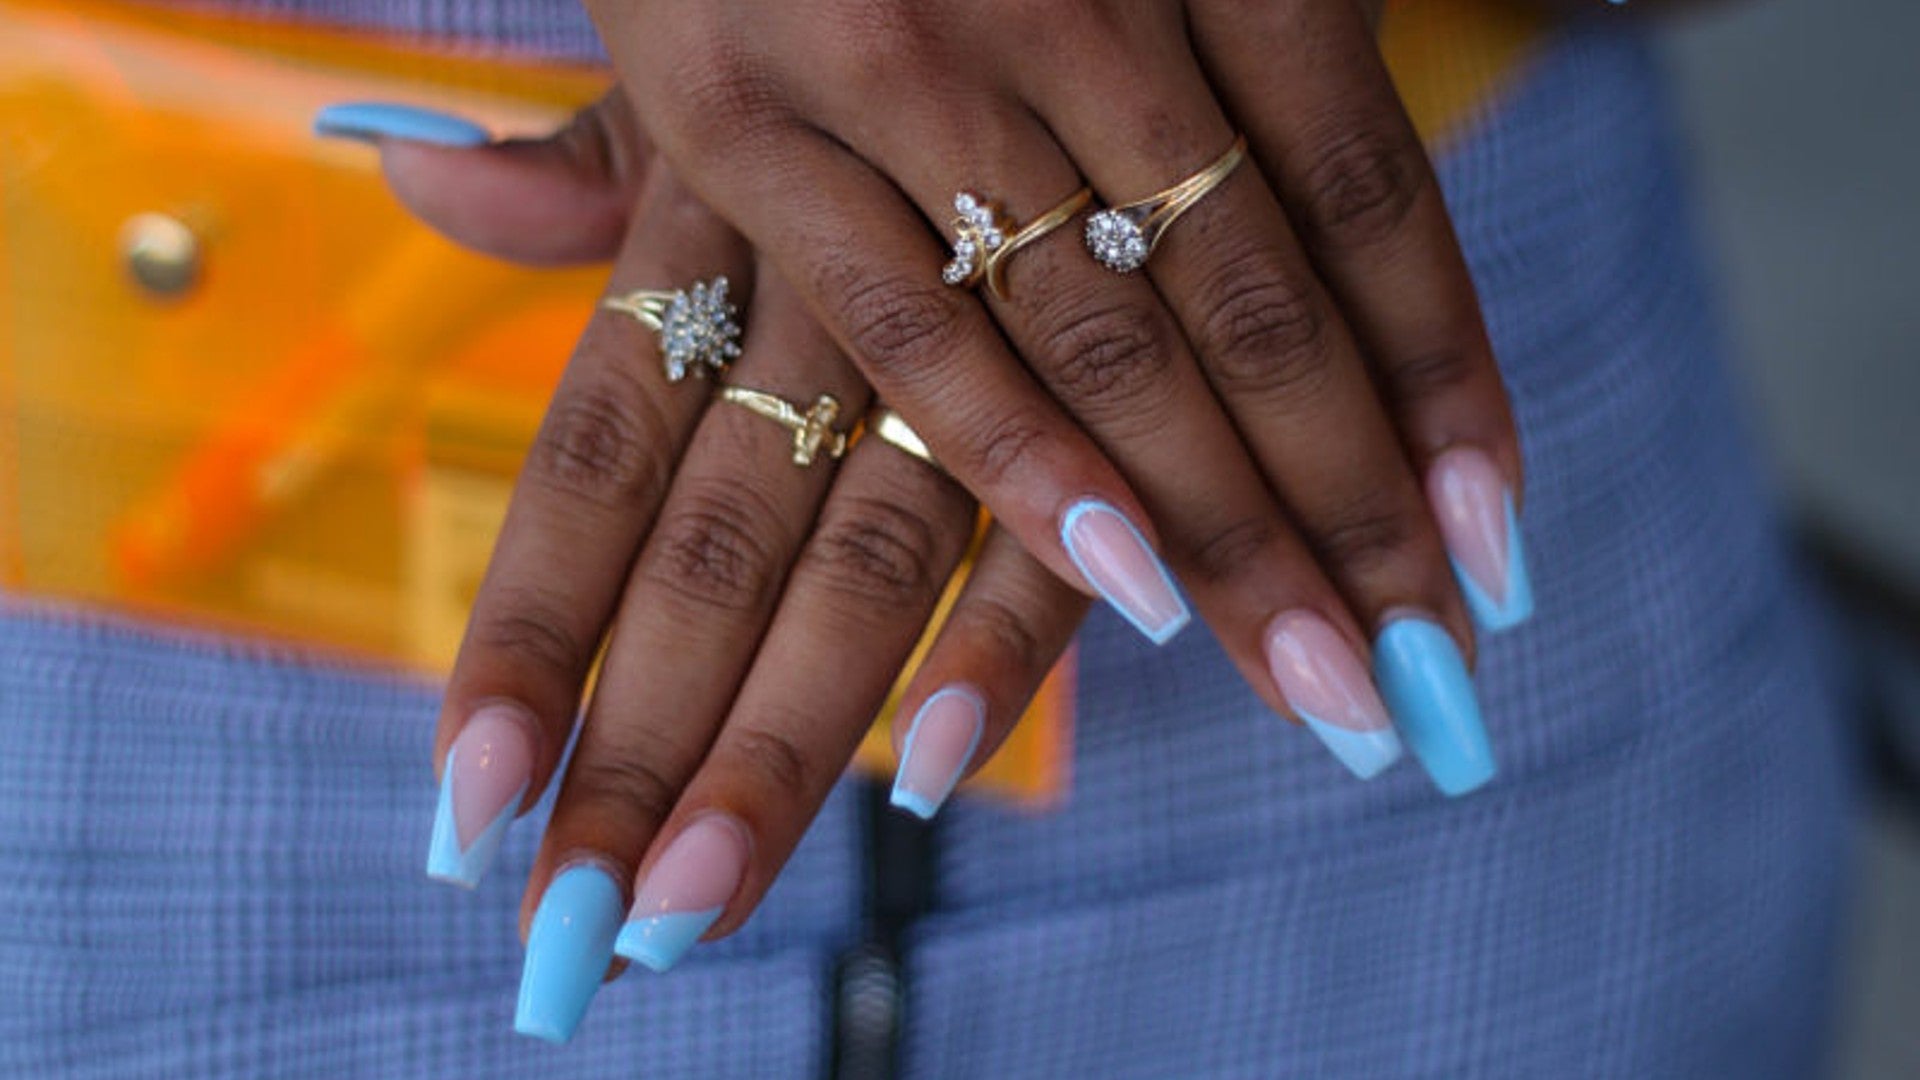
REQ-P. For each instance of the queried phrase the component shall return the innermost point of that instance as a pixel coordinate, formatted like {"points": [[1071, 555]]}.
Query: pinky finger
{"points": [[1012, 620]]}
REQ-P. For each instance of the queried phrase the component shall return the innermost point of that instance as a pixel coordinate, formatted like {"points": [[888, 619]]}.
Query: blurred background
{"points": [[1802, 116]]}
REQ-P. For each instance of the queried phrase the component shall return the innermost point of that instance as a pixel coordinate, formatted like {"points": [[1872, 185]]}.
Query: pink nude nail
{"points": [[1474, 508], [1327, 684], [939, 744], [1115, 559], [685, 891], [484, 779]]}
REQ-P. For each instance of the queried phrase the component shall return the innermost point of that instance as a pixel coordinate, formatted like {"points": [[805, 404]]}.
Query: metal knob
{"points": [[162, 254]]}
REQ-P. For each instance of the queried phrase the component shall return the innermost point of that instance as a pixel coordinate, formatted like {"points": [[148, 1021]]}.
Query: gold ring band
{"points": [[890, 428], [697, 328], [813, 432], [984, 238], [1122, 237]]}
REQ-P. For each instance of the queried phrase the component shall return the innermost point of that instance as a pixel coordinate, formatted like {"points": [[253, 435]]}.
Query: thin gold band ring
{"points": [[888, 426]]}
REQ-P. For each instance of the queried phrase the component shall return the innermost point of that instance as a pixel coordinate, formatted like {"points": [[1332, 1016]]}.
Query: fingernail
{"points": [[940, 742], [1475, 510], [685, 891], [567, 952], [1115, 559], [1427, 689], [370, 120], [481, 785], [1326, 684]]}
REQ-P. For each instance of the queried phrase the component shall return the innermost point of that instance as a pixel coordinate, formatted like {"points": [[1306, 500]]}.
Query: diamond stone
{"points": [[698, 334], [1116, 241]]}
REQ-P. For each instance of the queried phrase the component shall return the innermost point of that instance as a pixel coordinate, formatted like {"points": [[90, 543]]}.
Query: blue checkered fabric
{"points": [[210, 852]]}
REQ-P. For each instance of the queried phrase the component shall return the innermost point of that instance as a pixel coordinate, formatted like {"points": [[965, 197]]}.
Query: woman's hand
{"points": [[1303, 356], [758, 629]]}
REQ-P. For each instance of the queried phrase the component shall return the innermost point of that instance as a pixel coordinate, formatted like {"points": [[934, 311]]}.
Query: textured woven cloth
{"points": [[210, 854]]}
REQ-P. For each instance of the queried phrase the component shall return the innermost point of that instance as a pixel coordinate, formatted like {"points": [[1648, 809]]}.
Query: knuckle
{"points": [[885, 45], [530, 630], [1364, 536], [604, 444], [1008, 448], [1430, 374], [1361, 184], [776, 759], [623, 777], [894, 325], [876, 552], [1113, 355], [714, 550], [1235, 549], [723, 100], [1003, 631], [1265, 332]]}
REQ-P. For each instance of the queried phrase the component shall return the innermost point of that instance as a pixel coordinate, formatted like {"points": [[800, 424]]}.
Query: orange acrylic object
{"points": [[310, 432], [313, 437]]}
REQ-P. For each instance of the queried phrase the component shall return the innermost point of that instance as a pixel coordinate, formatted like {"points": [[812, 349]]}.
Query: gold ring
{"points": [[1123, 236], [813, 432], [985, 238], [888, 426], [698, 333]]}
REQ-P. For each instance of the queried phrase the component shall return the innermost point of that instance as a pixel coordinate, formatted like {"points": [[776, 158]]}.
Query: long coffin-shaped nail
{"points": [[568, 951], [939, 744], [1327, 685], [1424, 681], [685, 891], [1116, 560], [370, 120], [1474, 507], [481, 786]]}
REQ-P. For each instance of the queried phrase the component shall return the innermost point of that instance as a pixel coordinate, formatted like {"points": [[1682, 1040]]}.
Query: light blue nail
{"points": [[567, 952], [659, 941], [1366, 754], [1426, 687], [445, 860], [1494, 617], [378, 119], [1174, 620]]}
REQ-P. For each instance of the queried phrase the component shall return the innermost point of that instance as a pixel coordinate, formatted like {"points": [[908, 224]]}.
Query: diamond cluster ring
{"points": [[984, 238], [698, 331], [1122, 237]]}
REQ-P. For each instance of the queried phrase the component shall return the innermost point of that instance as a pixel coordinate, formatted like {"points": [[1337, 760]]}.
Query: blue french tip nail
{"points": [[1487, 614], [918, 805], [1113, 557], [446, 860], [1366, 754], [1424, 681], [659, 941], [567, 952], [379, 119]]}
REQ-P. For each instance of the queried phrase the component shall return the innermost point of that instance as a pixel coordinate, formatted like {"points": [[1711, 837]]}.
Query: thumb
{"points": [[564, 198]]}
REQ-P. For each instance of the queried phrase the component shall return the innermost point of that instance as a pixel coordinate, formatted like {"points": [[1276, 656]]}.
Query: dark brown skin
{"points": [[1262, 401]]}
